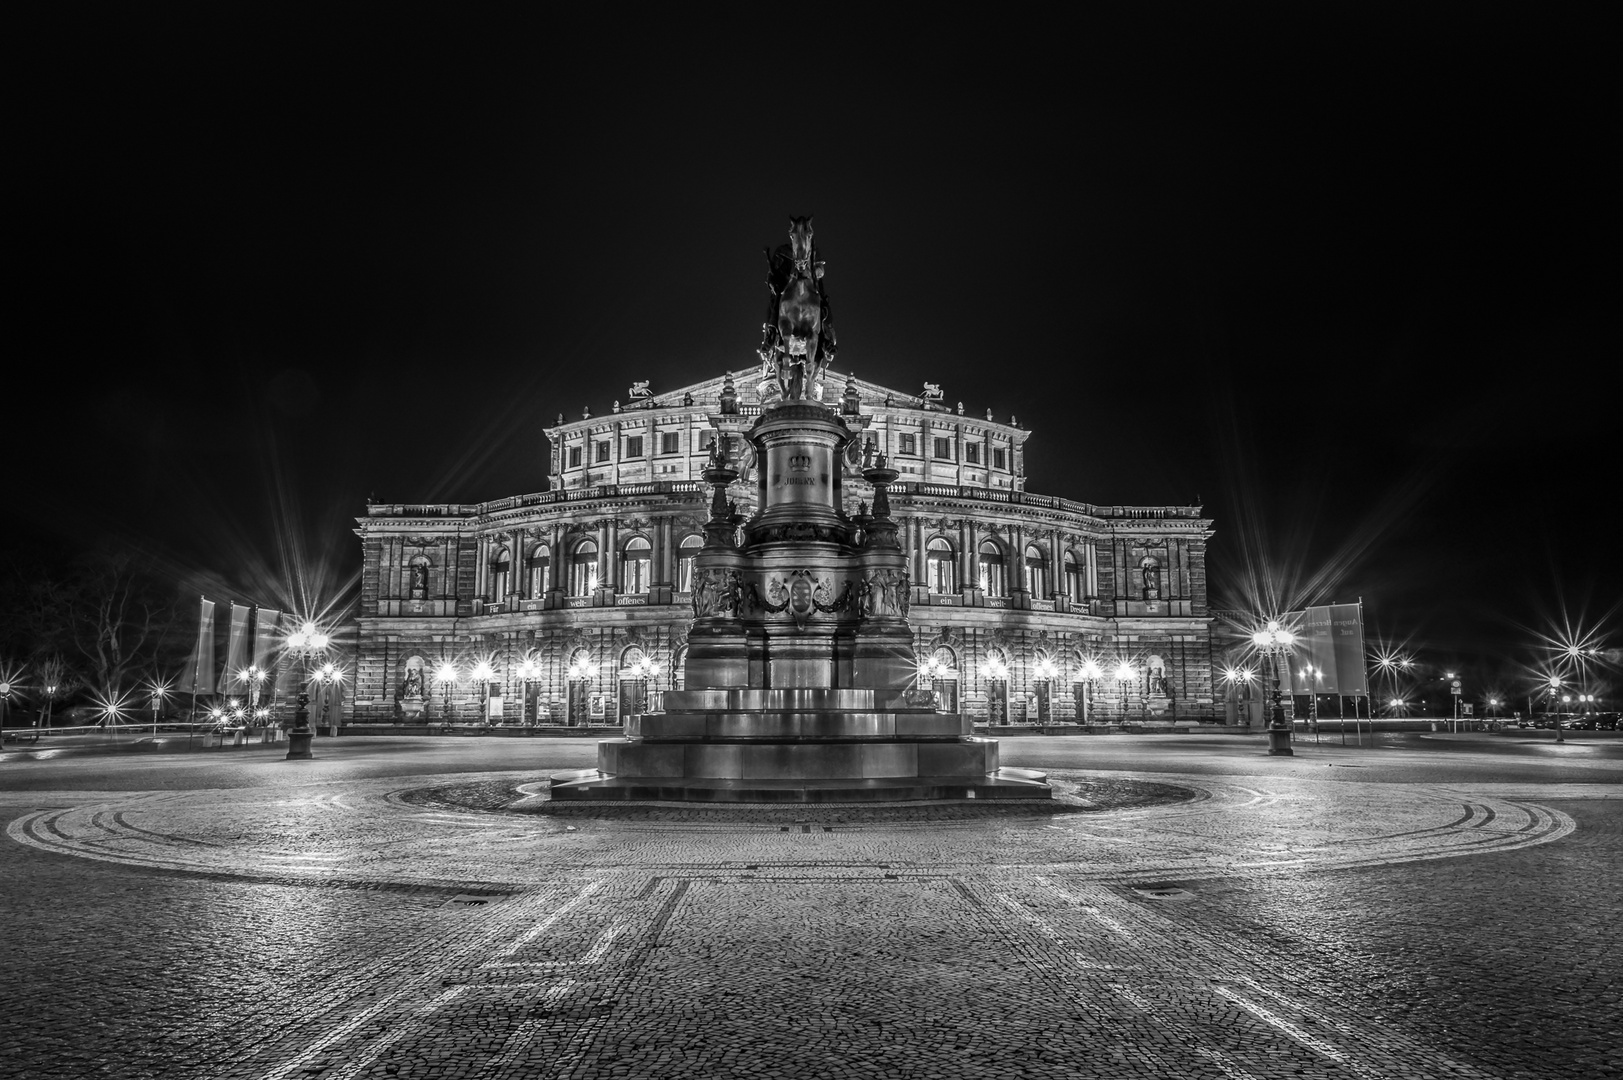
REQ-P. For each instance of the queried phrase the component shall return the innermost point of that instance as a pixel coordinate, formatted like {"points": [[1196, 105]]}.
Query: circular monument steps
{"points": [[591, 785], [789, 726], [793, 699]]}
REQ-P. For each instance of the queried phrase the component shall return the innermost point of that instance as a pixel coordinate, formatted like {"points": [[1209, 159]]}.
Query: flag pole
{"points": [[197, 663]]}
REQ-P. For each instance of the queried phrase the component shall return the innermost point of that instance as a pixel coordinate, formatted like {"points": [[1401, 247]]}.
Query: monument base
{"points": [[590, 785], [797, 745]]}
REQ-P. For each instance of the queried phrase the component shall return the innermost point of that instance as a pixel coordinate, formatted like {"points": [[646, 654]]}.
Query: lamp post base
{"points": [[298, 745], [1279, 742]]}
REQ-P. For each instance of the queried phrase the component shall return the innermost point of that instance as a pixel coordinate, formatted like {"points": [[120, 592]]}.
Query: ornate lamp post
{"points": [[482, 674], [647, 671], [1125, 673], [305, 642], [1275, 641], [1046, 672], [528, 671], [446, 675], [995, 670], [1090, 674], [328, 676], [582, 671], [1239, 677], [1553, 687]]}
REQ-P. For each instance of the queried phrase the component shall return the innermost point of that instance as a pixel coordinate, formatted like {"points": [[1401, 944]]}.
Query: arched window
{"points": [[417, 586], [994, 575], [1075, 583], [636, 563], [501, 575], [684, 564], [540, 568], [583, 569], [1036, 571], [940, 566]]}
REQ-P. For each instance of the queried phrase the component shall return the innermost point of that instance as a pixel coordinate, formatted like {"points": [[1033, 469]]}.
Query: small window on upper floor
{"points": [[910, 444], [972, 453], [1000, 458], [943, 449], [707, 440], [574, 457], [602, 452], [634, 446], [670, 442]]}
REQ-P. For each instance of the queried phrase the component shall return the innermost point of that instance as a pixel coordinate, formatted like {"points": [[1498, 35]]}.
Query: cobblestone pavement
{"points": [[1427, 908]]}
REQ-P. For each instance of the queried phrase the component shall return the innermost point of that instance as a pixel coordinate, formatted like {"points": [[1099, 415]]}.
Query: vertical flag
{"points": [[265, 637], [287, 668], [236, 652], [199, 673]]}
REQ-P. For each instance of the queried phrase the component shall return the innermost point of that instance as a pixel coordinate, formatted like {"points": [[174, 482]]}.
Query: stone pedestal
{"points": [[801, 681]]}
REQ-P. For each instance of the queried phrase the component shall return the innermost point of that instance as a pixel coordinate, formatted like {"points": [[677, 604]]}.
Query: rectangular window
{"points": [[670, 442], [972, 453], [602, 452], [943, 449], [634, 446], [910, 444], [574, 457], [999, 458], [707, 440]]}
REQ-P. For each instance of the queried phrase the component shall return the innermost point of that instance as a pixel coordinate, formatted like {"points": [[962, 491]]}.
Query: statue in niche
{"points": [[412, 688], [419, 581], [797, 339], [1150, 571]]}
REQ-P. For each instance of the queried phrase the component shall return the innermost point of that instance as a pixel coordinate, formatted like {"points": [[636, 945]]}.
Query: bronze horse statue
{"points": [[797, 338]]}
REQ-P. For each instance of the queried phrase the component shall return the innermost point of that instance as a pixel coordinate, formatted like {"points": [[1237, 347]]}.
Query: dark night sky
{"points": [[1348, 275]]}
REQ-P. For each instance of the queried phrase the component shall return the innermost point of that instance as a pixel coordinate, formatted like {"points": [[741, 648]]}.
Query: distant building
{"points": [[568, 594]]}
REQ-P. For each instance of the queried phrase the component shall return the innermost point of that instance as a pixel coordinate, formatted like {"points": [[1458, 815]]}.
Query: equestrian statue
{"points": [[797, 337]]}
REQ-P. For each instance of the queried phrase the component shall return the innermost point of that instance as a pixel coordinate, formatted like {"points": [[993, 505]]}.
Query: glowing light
{"points": [[1046, 668], [1092, 670], [528, 668], [483, 672], [446, 673], [1125, 672]]}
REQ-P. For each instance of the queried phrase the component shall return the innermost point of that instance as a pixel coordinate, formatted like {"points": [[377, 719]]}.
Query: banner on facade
{"points": [[236, 653], [1329, 653], [198, 677]]}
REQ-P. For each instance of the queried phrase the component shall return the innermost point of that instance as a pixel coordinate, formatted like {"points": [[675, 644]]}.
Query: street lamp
{"points": [[482, 674], [328, 676], [580, 671], [446, 675], [528, 671], [1046, 671], [1087, 676], [157, 691], [646, 670], [1310, 674], [1275, 641], [1238, 677], [305, 642], [1549, 705], [1124, 674], [995, 670]]}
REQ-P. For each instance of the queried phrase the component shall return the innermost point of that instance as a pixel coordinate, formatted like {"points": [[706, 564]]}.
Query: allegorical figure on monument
{"points": [[797, 338], [412, 688]]}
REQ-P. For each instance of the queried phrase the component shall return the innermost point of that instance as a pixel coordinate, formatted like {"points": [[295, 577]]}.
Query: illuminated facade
{"points": [[1025, 607]]}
